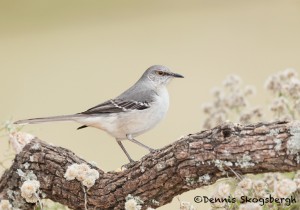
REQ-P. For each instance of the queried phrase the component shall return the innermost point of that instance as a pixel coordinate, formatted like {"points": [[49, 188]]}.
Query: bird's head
{"points": [[160, 75]]}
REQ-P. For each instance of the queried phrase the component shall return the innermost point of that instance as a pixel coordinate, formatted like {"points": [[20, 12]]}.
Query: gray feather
{"points": [[116, 106], [49, 119], [141, 91]]}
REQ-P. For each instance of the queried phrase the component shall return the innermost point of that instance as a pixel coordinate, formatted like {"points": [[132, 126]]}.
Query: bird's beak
{"points": [[176, 75]]}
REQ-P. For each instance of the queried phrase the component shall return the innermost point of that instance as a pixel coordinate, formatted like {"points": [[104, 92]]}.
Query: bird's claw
{"points": [[128, 165]]}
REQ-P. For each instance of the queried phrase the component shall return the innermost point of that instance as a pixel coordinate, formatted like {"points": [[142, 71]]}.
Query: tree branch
{"points": [[165, 173]]}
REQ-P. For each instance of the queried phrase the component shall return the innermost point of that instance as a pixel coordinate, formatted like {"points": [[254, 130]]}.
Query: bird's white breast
{"points": [[133, 122]]}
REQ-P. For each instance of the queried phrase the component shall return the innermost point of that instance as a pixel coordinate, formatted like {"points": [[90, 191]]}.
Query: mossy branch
{"points": [[161, 175]]}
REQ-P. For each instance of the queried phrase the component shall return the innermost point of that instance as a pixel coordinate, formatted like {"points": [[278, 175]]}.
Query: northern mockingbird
{"points": [[131, 114]]}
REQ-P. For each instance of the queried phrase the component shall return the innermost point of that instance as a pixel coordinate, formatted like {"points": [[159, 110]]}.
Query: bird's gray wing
{"points": [[116, 106]]}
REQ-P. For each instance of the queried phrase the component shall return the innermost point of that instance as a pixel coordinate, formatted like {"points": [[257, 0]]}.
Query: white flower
{"points": [[90, 177], [30, 186], [186, 206], [270, 179], [235, 101], [19, 139], [93, 173], [5, 205], [297, 105], [132, 204], [88, 182], [249, 90], [245, 184], [259, 186], [261, 194], [83, 173], [280, 109], [284, 188], [223, 190], [238, 193], [29, 190], [297, 181], [82, 170], [273, 84], [293, 88], [219, 118], [72, 172], [232, 80], [207, 108], [285, 86], [216, 91], [290, 73], [250, 206]]}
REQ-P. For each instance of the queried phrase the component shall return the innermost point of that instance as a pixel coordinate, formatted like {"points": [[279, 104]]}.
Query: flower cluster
{"points": [[133, 203], [230, 102], [284, 188], [260, 189], [243, 187], [16, 139], [29, 190], [285, 87], [19, 139], [5, 205], [222, 191], [272, 184], [83, 173]]}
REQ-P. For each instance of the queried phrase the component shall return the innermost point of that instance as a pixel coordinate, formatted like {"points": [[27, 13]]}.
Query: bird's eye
{"points": [[160, 73]]}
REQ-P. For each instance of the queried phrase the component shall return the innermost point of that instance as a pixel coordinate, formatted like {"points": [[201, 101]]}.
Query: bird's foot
{"points": [[128, 165], [151, 150]]}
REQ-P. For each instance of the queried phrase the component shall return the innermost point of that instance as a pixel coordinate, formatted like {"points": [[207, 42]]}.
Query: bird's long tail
{"points": [[49, 119]]}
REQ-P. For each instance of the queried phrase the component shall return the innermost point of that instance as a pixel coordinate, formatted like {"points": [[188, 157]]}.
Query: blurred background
{"points": [[63, 57]]}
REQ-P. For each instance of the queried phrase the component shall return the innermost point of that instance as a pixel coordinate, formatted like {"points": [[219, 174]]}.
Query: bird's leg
{"points": [[124, 150], [130, 138]]}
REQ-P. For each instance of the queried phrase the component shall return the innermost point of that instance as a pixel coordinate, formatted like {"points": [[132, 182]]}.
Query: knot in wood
{"points": [[226, 132]]}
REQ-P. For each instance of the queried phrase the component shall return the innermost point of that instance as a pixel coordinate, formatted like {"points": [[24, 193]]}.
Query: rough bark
{"points": [[165, 173]]}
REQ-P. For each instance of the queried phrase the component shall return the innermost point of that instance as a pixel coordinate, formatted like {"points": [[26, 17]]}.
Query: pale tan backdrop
{"points": [[62, 57]]}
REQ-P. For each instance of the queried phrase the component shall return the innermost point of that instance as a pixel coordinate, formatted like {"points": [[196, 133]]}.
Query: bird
{"points": [[132, 113]]}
